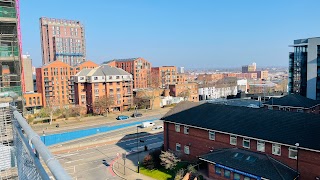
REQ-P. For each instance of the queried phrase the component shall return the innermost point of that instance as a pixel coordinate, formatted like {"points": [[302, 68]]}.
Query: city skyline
{"points": [[215, 34]]}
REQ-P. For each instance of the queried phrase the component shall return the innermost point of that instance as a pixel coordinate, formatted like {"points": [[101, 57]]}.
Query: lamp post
{"points": [[138, 150], [297, 147]]}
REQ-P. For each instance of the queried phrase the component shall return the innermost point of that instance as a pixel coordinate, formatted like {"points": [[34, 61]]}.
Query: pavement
{"points": [[94, 121], [97, 161], [127, 169]]}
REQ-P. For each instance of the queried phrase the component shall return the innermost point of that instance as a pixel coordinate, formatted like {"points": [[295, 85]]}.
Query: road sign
{"points": [[124, 155]]}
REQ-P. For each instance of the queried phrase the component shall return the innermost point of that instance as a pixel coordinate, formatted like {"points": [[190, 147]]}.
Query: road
{"points": [[95, 163]]}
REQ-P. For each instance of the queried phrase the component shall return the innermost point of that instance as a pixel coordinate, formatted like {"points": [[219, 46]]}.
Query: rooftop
{"points": [[253, 163], [293, 100], [121, 60], [103, 70], [260, 123]]}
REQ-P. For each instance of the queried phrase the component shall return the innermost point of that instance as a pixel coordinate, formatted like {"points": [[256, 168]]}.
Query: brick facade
{"points": [[200, 144]]}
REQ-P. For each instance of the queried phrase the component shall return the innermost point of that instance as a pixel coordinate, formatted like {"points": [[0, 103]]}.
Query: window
{"points": [[293, 152], [233, 140], [246, 143], [186, 130], [186, 150], [218, 170], [236, 176], [178, 147], [177, 127], [270, 107], [299, 110], [246, 178], [227, 174], [212, 135], [276, 149], [95, 78], [260, 146]]}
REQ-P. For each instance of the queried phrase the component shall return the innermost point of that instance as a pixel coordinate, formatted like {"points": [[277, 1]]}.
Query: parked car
{"points": [[136, 115], [157, 128], [122, 117], [147, 124]]}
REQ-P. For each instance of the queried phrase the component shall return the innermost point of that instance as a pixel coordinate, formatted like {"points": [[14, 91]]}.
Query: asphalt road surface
{"points": [[95, 163]]}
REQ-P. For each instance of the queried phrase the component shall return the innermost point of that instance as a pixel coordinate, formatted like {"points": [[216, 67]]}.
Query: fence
{"points": [[21, 149]]}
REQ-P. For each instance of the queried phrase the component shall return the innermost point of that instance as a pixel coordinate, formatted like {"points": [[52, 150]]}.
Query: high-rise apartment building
{"points": [[112, 82], [249, 68], [163, 76], [55, 82], [138, 67], [62, 40], [304, 65], [28, 74], [11, 78]]}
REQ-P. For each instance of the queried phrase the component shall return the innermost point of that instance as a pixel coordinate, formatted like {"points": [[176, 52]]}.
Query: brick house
{"points": [[245, 143], [294, 103]]}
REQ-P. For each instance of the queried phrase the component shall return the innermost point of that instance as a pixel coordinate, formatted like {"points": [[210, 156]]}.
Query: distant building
{"points": [[138, 67], [55, 82], [62, 40], [163, 76], [294, 103], [33, 102], [28, 79], [249, 68], [189, 91], [219, 89], [304, 65], [205, 78], [181, 70], [181, 78], [242, 85], [112, 82]]}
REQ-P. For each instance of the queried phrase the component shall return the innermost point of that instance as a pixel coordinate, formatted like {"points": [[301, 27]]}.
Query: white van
{"points": [[147, 124]]}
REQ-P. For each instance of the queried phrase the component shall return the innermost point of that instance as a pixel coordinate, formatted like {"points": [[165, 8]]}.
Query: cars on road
{"points": [[157, 128], [147, 124], [122, 117], [136, 115]]}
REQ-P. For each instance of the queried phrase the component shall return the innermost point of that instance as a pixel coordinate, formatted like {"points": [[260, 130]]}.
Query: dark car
{"points": [[136, 115], [122, 117]]}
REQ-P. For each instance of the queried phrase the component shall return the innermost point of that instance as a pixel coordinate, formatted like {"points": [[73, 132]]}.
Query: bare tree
{"points": [[51, 107], [185, 94], [78, 110], [103, 104], [169, 160]]}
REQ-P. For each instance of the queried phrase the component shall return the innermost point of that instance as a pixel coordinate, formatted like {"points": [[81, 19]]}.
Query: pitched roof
{"points": [[254, 163], [293, 100], [120, 60], [275, 126], [103, 70]]}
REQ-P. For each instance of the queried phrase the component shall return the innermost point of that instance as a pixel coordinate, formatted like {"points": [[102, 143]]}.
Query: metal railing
{"points": [[23, 158]]}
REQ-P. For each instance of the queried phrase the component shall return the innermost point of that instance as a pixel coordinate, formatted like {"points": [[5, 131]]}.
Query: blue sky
{"points": [[189, 33]]}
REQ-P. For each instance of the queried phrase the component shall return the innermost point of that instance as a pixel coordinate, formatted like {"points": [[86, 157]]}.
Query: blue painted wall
{"points": [[68, 136]]}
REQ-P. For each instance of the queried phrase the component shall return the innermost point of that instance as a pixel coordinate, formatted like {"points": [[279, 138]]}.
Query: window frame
{"points": [[233, 136], [219, 169], [188, 149], [245, 140], [224, 174], [178, 145], [177, 128], [294, 149], [270, 107], [264, 145], [186, 130], [276, 145], [214, 135]]}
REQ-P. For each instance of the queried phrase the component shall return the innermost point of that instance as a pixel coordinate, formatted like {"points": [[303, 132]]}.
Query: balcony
{"points": [[7, 14]]}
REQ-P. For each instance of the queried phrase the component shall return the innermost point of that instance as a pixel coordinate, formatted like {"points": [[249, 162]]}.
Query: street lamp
{"points": [[297, 146], [138, 140]]}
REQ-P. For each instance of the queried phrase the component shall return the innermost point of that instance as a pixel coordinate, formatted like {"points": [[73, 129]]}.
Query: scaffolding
{"points": [[11, 70]]}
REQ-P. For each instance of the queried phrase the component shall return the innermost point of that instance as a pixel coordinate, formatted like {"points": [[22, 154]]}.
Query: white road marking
{"points": [[74, 161]]}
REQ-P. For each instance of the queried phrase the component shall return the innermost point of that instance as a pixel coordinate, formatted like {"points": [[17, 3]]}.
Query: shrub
{"points": [[148, 162], [156, 157], [169, 160], [179, 174]]}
